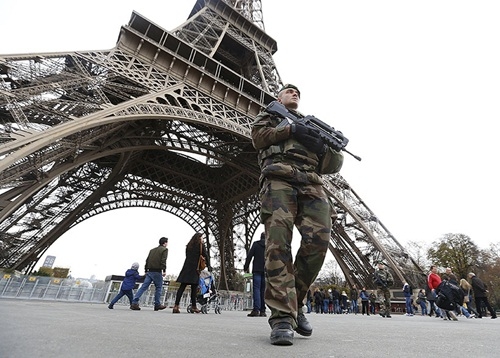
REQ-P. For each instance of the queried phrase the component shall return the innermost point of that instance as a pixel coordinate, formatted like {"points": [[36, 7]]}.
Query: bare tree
{"points": [[418, 251], [330, 274]]}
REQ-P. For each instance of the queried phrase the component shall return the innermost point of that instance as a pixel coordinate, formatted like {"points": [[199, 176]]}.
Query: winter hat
{"points": [[135, 266]]}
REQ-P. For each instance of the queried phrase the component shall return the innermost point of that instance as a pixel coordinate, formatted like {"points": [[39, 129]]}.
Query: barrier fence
{"points": [[80, 290]]}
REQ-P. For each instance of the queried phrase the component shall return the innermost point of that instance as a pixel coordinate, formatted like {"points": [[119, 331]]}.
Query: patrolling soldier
{"points": [[292, 157], [383, 279]]}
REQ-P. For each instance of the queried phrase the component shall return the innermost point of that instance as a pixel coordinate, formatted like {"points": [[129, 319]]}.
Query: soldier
{"points": [[292, 158], [383, 279]]}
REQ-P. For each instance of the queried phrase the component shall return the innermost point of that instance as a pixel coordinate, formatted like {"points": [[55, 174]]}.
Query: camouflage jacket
{"points": [[283, 157], [383, 278]]}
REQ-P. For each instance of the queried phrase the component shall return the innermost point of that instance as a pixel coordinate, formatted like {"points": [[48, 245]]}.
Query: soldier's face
{"points": [[289, 98]]}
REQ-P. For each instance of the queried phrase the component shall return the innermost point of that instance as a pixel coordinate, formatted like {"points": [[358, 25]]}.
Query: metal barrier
{"points": [[79, 290]]}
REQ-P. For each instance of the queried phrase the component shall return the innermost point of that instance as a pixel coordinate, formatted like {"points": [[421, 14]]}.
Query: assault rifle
{"points": [[334, 139], [378, 280]]}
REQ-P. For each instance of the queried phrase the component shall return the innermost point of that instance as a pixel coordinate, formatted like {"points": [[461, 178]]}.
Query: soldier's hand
{"points": [[335, 146], [309, 137]]}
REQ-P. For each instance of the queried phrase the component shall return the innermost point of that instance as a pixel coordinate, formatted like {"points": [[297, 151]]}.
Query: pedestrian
{"points": [[467, 289], [383, 279], [459, 297], [422, 301], [336, 301], [330, 301], [256, 253], [343, 302], [433, 281], [156, 266], [190, 272], [292, 157], [128, 284], [431, 298], [407, 292], [326, 300], [354, 299], [365, 298], [480, 296], [308, 300], [318, 300], [373, 301]]}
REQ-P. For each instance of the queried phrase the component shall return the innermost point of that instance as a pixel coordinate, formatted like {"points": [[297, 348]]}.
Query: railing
{"points": [[78, 290]]}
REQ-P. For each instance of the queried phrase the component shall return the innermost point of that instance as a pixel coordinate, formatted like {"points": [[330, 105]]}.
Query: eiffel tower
{"points": [[162, 120]]}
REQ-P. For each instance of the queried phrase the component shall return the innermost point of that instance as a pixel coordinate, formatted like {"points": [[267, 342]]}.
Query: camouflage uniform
{"points": [[291, 194], [383, 279]]}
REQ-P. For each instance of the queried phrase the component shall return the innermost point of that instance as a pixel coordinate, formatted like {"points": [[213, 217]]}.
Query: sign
{"points": [[49, 261]]}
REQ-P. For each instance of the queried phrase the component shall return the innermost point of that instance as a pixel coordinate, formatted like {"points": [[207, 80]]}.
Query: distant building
{"points": [[49, 261]]}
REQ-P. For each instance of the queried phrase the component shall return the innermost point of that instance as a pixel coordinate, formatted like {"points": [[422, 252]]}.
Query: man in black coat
{"points": [[480, 295], [256, 253]]}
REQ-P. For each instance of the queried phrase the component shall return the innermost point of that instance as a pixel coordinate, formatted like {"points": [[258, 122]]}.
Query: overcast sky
{"points": [[414, 85]]}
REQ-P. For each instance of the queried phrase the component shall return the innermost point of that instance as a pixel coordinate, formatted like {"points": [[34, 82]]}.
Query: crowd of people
{"points": [[333, 301], [443, 297]]}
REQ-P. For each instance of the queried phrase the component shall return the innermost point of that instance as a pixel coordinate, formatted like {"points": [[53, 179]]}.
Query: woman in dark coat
{"points": [[189, 274]]}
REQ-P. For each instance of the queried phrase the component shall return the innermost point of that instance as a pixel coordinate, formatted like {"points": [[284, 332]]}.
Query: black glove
{"points": [[309, 137]]}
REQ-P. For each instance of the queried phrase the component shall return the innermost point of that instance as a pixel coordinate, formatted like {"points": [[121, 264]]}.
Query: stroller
{"points": [[207, 293]]}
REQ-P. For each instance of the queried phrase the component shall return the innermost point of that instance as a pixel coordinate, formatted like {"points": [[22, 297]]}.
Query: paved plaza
{"points": [[31, 328]]}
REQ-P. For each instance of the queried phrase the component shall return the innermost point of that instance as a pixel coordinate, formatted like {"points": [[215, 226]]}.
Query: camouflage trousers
{"points": [[283, 206], [384, 299]]}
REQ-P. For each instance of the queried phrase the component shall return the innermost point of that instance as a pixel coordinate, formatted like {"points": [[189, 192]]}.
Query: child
{"points": [[131, 276]]}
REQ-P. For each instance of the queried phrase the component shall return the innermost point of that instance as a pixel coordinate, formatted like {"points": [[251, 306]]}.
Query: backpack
{"points": [[449, 295]]}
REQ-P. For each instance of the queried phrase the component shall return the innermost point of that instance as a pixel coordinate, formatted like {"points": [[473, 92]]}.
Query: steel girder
{"points": [[161, 120]]}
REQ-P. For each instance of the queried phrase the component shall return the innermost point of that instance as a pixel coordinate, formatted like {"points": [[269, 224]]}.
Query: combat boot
{"points": [[135, 307], [304, 328], [282, 334]]}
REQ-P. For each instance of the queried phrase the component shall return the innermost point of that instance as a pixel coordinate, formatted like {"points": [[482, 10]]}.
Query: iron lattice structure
{"points": [[161, 120]]}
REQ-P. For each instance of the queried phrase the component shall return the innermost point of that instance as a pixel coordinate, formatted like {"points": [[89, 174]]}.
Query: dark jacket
{"points": [[256, 252], [407, 291], [335, 294], [157, 259], [478, 287], [354, 294], [189, 273], [131, 276], [449, 295]]}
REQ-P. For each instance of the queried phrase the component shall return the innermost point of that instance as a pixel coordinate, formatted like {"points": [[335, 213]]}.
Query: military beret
{"points": [[288, 85]]}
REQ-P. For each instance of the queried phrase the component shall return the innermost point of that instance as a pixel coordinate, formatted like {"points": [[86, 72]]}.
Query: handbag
{"points": [[466, 297], [202, 262]]}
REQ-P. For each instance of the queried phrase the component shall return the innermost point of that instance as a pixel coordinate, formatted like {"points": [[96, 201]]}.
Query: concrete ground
{"points": [[32, 328]]}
